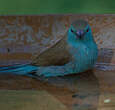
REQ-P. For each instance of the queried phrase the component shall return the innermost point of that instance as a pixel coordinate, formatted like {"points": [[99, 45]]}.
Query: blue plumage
{"points": [[81, 47]]}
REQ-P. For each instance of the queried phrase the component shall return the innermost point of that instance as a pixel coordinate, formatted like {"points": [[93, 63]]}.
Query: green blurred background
{"points": [[56, 6]]}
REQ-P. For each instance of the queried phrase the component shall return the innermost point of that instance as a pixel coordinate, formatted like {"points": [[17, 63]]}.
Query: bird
{"points": [[74, 53]]}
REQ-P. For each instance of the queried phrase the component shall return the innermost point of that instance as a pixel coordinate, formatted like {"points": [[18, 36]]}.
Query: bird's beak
{"points": [[80, 34]]}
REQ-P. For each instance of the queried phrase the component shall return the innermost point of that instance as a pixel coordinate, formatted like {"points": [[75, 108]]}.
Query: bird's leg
{"points": [[50, 71]]}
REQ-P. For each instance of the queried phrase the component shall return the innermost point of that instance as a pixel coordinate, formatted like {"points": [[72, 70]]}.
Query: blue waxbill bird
{"points": [[76, 52]]}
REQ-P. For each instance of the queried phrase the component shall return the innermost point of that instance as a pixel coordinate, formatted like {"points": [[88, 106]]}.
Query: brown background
{"points": [[23, 37]]}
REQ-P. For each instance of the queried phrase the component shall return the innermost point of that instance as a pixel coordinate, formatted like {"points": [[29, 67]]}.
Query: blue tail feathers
{"points": [[25, 69]]}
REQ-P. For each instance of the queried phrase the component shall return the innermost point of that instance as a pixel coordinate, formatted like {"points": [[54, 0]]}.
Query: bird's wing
{"points": [[56, 55]]}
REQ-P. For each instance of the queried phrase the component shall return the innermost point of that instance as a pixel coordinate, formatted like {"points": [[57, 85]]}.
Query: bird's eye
{"points": [[87, 30], [71, 30]]}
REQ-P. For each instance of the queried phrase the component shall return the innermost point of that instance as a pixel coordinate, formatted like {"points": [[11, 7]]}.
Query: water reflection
{"points": [[77, 92]]}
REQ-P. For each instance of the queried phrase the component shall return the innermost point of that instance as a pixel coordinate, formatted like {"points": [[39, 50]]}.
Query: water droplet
{"points": [[107, 101]]}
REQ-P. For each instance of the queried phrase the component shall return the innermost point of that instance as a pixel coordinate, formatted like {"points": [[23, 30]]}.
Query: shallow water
{"points": [[84, 91]]}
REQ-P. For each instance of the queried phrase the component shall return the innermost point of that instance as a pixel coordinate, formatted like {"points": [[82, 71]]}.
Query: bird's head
{"points": [[80, 31]]}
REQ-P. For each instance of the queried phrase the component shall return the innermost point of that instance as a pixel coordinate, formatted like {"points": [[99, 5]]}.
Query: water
{"points": [[74, 92]]}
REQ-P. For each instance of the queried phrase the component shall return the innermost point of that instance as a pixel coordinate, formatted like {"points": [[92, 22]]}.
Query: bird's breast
{"points": [[84, 55]]}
